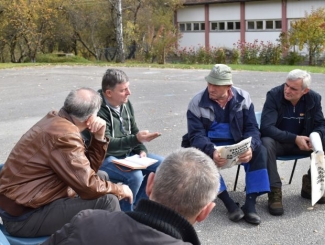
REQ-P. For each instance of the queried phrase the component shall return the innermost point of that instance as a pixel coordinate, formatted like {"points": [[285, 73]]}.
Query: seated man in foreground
{"points": [[291, 112], [181, 193], [50, 176], [223, 115]]}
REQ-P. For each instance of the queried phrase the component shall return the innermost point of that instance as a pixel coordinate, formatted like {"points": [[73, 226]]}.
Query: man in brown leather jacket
{"points": [[50, 176]]}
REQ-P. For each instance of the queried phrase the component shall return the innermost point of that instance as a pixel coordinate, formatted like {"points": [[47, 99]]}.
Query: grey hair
{"points": [[186, 181], [82, 103], [112, 77], [300, 74]]}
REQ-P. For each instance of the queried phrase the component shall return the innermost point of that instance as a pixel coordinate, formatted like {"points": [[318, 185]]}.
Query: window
{"points": [[264, 25], [182, 27], [250, 25], [259, 25], [225, 26], [278, 24], [214, 26], [189, 26]]}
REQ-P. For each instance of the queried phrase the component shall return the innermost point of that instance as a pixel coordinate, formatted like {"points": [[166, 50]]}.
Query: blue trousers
{"points": [[135, 179], [257, 179]]}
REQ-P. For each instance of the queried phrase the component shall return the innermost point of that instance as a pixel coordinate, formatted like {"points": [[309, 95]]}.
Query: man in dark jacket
{"points": [[181, 193], [125, 137], [50, 176], [292, 111], [223, 115]]}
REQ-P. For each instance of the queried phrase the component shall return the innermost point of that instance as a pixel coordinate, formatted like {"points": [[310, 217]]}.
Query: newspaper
{"points": [[232, 152], [317, 168]]}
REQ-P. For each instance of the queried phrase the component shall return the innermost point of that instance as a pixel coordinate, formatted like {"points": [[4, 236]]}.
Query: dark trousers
{"points": [[50, 218], [274, 149]]}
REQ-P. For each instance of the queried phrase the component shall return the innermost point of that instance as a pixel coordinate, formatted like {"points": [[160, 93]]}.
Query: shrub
{"points": [[293, 58], [59, 58]]}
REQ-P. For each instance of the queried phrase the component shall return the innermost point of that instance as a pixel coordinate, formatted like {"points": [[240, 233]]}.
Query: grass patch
{"points": [[60, 58], [48, 60]]}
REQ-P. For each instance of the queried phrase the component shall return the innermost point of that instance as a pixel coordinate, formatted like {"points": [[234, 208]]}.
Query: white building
{"points": [[222, 23]]}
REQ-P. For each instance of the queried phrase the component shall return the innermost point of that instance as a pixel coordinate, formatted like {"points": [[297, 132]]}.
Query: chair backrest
{"points": [[258, 115]]}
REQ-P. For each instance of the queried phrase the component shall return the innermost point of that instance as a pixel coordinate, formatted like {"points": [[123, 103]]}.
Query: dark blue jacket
{"points": [[273, 110], [200, 116]]}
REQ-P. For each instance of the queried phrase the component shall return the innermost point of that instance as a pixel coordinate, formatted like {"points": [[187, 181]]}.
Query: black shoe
{"points": [[251, 217], [236, 215]]}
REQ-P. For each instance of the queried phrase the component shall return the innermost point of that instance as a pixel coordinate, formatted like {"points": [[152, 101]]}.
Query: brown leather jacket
{"points": [[50, 162]]}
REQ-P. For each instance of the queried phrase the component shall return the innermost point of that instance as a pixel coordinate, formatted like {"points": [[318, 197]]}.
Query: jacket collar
{"points": [[164, 219], [64, 114], [206, 101]]}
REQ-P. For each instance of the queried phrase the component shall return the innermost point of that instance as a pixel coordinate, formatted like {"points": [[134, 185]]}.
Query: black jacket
{"points": [[273, 110], [151, 223]]}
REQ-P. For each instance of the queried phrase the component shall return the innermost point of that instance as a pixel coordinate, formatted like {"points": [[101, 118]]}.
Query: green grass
{"points": [[49, 60]]}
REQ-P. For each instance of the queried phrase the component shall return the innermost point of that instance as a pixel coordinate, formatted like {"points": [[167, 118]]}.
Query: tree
{"points": [[28, 23], [309, 33]]}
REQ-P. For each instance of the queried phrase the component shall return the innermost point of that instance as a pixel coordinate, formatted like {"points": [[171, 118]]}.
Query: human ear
{"points": [[150, 184], [205, 211]]}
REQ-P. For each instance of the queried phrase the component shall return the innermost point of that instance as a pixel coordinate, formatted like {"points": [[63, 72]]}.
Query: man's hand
{"points": [[127, 193], [303, 142], [218, 160], [143, 154], [145, 136], [97, 126], [246, 156]]}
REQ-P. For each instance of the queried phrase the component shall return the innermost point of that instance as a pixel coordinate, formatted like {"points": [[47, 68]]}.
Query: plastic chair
{"points": [[280, 158], [12, 240], [23, 240], [3, 239]]}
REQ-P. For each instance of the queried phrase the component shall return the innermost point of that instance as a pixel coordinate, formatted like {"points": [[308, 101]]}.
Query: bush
{"points": [[59, 58], [293, 58]]}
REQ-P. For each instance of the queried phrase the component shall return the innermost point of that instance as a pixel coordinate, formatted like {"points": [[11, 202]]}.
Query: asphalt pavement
{"points": [[160, 98]]}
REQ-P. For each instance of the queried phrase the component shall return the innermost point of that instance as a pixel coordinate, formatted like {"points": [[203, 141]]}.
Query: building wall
{"points": [[227, 11], [297, 9], [256, 12], [191, 13]]}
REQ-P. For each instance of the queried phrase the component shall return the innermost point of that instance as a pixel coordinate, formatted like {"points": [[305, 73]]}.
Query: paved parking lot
{"points": [[160, 98]]}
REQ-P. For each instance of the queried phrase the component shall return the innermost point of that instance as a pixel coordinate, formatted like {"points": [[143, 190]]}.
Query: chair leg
{"points": [[237, 174], [293, 170]]}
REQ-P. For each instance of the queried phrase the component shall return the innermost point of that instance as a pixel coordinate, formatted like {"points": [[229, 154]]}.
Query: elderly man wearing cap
{"points": [[221, 115]]}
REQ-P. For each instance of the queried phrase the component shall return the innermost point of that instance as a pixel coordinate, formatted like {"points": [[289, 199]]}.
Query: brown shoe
{"points": [[275, 201], [306, 189]]}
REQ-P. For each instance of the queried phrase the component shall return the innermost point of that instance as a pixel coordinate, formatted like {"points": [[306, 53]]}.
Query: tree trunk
{"points": [[119, 33]]}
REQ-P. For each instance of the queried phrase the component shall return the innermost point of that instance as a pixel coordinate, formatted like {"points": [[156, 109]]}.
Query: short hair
{"points": [[300, 74], [82, 103], [112, 77], [186, 181]]}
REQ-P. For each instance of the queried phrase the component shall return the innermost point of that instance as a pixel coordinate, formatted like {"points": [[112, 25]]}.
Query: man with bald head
{"points": [[50, 176]]}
